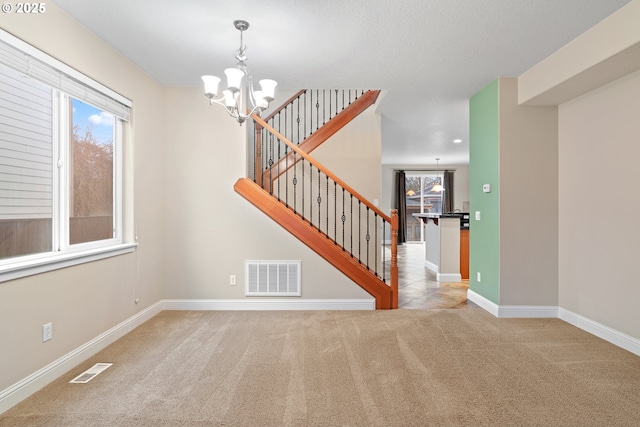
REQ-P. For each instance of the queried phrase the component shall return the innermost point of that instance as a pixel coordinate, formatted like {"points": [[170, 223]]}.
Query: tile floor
{"points": [[418, 287]]}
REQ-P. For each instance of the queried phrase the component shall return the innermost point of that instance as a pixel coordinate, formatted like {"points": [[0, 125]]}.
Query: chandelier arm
{"points": [[233, 112], [255, 109]]}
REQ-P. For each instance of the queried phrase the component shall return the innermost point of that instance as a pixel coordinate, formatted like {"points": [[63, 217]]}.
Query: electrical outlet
{"points": [[478, 277], [232, 280], [47, 332]]}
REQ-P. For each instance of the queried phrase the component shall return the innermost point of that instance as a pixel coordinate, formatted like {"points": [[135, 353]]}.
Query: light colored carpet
{"points": [[327, 368]]}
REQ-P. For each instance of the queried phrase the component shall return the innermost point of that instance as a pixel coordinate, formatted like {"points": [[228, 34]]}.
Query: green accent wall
{"points": [[484, 246]]}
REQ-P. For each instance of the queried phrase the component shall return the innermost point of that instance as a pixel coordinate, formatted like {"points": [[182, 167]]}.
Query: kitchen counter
{"points": [[442, 244]]}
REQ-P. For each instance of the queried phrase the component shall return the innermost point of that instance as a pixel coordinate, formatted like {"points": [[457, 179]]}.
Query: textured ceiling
{"points": [[430, 56]]}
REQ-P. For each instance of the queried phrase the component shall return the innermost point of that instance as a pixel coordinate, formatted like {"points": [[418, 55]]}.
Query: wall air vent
{"points": [[90, 373], [272, 278]]}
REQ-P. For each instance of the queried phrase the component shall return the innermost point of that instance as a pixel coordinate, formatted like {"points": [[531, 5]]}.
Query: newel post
{"points": [[394, 258]]}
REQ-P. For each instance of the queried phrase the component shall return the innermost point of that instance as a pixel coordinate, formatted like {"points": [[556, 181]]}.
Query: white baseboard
{"points": [[601, 331], [34, 382], [431, 266], [269, 304], [611, 335], [448, 277], [513, 311], [527, 311], [484, 303]]}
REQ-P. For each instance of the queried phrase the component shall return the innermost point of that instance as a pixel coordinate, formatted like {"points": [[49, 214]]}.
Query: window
{"points": [[91, 174], [60, 160], [421, 198]]}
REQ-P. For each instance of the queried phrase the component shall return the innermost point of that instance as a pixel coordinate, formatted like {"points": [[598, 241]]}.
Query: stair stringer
{"points": [[317, 241]]}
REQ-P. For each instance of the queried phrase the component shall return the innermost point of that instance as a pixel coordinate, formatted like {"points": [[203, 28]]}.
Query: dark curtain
{"points": [[448, 192], [401, 206]]}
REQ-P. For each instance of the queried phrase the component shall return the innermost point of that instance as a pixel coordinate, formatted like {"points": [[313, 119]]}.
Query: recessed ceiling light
{"points": [[457, 141]]}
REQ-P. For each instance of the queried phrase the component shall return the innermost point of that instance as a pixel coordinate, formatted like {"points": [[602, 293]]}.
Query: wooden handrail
{"points": [[318, 242], [325, 132], [287, 102], [323, 169]]}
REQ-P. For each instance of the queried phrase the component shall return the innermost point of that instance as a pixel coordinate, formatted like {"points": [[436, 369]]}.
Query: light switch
{"points": [[486, 188], [477, 215]]}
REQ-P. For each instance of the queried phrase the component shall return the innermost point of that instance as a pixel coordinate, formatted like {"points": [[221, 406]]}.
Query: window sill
{"points": [[55, 262]]}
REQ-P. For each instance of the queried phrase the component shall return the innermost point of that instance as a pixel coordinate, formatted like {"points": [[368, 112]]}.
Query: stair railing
{"points": [[330, 206], [308, 110]]}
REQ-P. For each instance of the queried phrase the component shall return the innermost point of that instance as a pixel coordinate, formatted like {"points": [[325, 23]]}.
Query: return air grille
{"points": [[90, 373], [273, 278]]}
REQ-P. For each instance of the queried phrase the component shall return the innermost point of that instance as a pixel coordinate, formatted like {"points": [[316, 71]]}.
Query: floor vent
{"points": [[273, 278], [90, 373]]}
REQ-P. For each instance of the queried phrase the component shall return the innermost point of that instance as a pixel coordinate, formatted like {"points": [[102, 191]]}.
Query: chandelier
{"points": [[240, 100]]}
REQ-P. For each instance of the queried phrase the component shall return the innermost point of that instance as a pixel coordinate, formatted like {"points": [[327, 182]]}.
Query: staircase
{"points": [[313, 204]]}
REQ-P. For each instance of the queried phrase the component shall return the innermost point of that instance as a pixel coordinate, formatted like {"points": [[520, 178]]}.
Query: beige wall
{"points": [[354, 154], [193, 229], [210, 229], [599, 149], [594, 81], [179, 197], [528, 152], [86, 300]]}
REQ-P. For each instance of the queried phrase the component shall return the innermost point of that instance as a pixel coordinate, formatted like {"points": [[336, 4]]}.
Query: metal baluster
{"points": [[291, 121], [326, 185], [298, 120], [295, 183], [286, 176], [351, 226], [285, 128], [343, 218], [384, 253], [278, 173], [310, 112], [317, 109], [255, 150], [367, 237], [302, 164], [335, 212], [375, 242], [310, 193], [359, 234], [319, 201], [269, 163], [324, 103]]}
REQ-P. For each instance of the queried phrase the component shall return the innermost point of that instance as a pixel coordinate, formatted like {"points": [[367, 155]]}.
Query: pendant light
{"points": [[437, 187]]}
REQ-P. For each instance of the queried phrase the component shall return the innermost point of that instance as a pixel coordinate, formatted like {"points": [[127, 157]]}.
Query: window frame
{"points": [[62, 253]]}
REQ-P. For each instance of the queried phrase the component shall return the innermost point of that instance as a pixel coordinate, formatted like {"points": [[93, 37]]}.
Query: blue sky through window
{"points": [[100, 122]]}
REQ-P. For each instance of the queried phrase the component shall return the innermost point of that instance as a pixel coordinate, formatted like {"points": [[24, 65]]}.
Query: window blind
{"points": [[36, 64], [26, 150]]}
